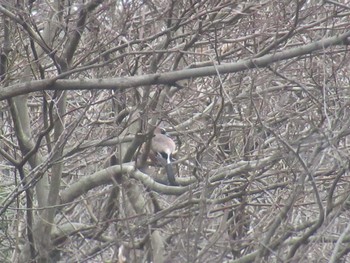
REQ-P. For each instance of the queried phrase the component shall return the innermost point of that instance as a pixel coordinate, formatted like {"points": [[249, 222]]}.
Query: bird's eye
{"points": [[162, 131], [164, 155]]}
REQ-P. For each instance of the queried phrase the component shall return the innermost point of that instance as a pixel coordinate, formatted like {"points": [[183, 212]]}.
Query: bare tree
{"points": [[254, 93]]}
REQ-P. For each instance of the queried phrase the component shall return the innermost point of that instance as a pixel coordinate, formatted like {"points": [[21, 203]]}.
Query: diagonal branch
{"points": [[169, 77]]}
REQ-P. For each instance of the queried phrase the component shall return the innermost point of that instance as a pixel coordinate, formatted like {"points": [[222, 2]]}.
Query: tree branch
{"points": [[169, 77]]}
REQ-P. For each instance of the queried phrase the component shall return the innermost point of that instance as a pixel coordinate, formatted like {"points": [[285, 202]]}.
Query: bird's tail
{"points": [[171, 175]]}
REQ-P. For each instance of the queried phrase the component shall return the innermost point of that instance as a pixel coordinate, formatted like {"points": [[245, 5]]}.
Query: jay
{"points": [[162, 149]]}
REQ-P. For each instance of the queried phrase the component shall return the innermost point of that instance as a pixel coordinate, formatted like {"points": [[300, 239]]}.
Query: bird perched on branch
{"points": [[162, 149]]}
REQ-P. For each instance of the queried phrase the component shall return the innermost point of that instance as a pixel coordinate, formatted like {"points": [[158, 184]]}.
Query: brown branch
{"points": [[76, 36], [169, 77]]}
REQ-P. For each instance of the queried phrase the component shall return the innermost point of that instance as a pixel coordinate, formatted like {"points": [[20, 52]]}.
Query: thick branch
{"points": [[105, 176], [169, 77]]}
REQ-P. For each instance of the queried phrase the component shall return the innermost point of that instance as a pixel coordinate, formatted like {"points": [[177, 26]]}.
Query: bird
{"points": [[162, 149]]}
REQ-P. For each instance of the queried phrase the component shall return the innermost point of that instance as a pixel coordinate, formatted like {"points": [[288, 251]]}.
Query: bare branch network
{"points": [[169, 78], [174, 131]]}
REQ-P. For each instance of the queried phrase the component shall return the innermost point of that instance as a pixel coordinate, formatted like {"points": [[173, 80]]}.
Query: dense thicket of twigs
{"points": [[262, 160]]}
